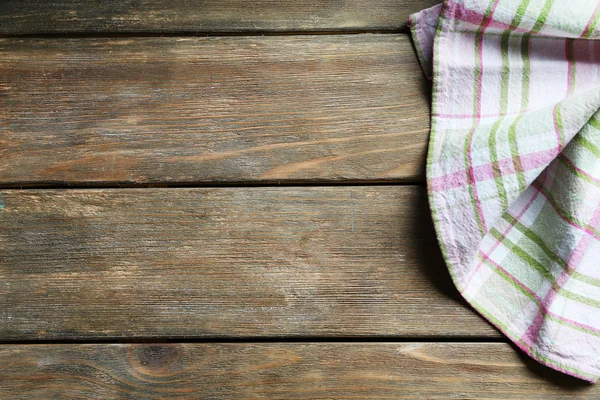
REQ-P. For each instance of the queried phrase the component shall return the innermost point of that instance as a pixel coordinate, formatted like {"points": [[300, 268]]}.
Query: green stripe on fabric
{"points": [[595, 123], [588, 145], [586, 279], [522, 254], [573, 62], [519, 14], [579, 298], [559, 124], [541, 21]]}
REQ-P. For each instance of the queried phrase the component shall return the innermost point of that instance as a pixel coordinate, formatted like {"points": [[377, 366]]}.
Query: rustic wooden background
{"points": [[224, 199]]}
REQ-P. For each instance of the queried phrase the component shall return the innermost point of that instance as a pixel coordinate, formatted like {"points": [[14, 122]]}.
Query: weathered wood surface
{"points": [[337, 261], [229, 109], [200, 16], [281, 371]]}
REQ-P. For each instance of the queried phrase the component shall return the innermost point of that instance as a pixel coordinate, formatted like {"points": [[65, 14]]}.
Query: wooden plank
{"points": [[199, 16], [229, 109], [281, 371], [308, 261]]}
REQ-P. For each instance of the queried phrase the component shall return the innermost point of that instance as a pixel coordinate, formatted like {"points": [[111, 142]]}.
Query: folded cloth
{"points": [[513, 170]]}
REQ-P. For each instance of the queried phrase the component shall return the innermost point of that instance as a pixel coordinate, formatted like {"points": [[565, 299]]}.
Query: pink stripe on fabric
{"points": [[486, 171], [538, 159], [451, 181]]}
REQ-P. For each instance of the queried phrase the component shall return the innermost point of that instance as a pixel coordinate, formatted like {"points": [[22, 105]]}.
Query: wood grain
{"points": [[281, 371], [229, 109], [228, 262], [200, 16]]}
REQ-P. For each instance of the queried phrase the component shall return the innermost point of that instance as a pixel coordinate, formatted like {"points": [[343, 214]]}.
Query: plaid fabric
{"points": [[513, 170]]}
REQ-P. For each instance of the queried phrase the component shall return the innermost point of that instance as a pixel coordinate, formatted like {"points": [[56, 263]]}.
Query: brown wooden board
{"points": [[221, 109], [226, 262], [200, 16], [281, 371]]}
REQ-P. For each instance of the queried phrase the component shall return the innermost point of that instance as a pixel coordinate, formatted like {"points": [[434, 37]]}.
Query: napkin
{"points": [[513, 169]]}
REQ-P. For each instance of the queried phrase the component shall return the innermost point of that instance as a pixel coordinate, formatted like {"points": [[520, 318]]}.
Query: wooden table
{"points": [[224, 199]]}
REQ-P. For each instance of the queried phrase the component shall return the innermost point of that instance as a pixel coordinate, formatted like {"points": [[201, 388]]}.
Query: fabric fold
{"points": [[513, 170]]}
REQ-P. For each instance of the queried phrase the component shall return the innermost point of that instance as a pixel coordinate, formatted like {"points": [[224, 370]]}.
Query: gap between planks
{"points": [[258, 339], [184, 34], [200, 185]]}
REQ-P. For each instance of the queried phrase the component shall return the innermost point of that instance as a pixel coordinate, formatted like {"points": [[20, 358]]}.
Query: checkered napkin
{"points": [[513, 171]]}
